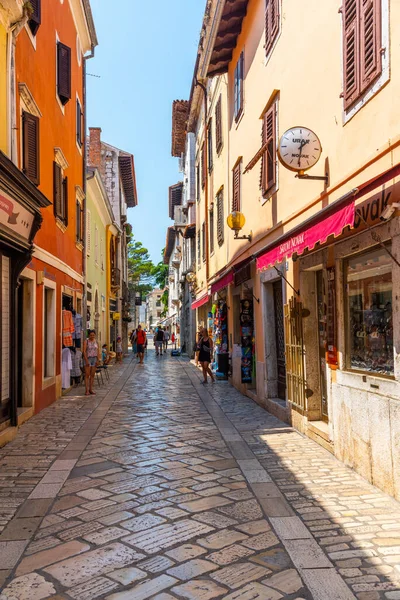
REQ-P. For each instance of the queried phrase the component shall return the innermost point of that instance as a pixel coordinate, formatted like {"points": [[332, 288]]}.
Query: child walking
{"points": [[119, 349]]}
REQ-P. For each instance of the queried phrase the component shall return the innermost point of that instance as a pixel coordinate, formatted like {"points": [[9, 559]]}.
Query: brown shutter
{"points": [[203, 236], [65, 200], [63, 72], [198, 183], [370, 42], [220, 217], [36, 16], [241, 76], [271, 23], [269, 158], [211, 221], [79, 123], [351, 51], [218, 124], [57, 184], [203, 166], [236, 189], [30, 142]]}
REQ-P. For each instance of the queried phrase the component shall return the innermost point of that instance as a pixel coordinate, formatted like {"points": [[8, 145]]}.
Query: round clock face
{"points": [[299, 149]]}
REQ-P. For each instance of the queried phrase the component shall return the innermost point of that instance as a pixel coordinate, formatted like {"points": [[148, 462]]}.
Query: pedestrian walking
{"points": [[133, 340], [205, 354], [141, 342], [166, 340], [91, 355], [119, 349], [159, 340]]}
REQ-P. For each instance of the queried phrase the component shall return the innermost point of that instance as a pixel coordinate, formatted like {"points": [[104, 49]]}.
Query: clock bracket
{"points": [[303, 175]]}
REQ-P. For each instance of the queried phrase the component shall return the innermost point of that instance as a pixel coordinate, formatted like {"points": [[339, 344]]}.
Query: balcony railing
{"points": [[115, 277]]}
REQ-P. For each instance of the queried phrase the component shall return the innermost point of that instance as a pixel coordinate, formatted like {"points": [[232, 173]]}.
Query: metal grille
{"points": [[296, 385]]}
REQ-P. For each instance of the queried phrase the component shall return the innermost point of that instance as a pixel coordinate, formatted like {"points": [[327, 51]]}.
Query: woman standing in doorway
{"points": [[91, 356], [205, 354]]}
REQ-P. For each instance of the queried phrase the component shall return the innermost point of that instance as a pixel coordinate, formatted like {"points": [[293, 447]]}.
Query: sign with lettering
{"points": [[15, 217]]}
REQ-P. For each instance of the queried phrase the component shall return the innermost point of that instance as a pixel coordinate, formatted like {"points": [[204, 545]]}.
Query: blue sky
{"points": [[145, 60]]}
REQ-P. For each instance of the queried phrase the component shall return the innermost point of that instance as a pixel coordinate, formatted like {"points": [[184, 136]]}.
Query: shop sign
{"points": [[113, 305], [116, 316], [243, 275], [138, 300], [15, 217], [371, 209]]}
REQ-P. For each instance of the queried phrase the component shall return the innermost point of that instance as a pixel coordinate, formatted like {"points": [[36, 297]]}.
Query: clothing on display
{"points": [[246, 332], [78, 325], [66, 367], [67, 328], [76, 363]]}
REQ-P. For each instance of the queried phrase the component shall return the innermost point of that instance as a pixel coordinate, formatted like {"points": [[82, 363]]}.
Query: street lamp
{"points": [[236, 222]]}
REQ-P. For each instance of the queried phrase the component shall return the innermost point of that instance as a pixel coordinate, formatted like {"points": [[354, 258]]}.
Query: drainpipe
{"points": [[13, 32], [84, 163], [204, 89]]}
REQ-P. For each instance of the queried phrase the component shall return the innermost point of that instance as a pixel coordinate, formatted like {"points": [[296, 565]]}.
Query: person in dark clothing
{"points": [[205, 355], [159, 340]]}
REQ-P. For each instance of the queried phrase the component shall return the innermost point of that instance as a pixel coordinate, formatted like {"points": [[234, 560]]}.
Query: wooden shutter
{"points": [[238, 91], [268, 164], [220, 217], [198, 183], [211, 220], [198, 248], [36, 16], [271, 23], [78, 217], [370, 42], [79, 123], [203, 166], [63, 72], [351, 56], [210, 146], [203, 235], [89, 238], [218, 124], [30, 142], [58, 192], [236, 188], [65, 200]]}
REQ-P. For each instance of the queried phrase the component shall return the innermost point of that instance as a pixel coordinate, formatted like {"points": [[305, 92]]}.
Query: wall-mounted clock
{"points": [[299, 149]]}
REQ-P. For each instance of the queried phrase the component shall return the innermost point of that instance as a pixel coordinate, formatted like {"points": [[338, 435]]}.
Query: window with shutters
{"points": [[218, 125], [238, 87], [362, 47], [60, 194], [79, 123], [236, 186], [220, 217], [198, 183], [268, 160], [89, 238], [272, 23], [36, 16], [203, 166], [63, 73], [211, 222], [210, 146], [30, 147], [198, 249], [79, 223], [203, 242]]}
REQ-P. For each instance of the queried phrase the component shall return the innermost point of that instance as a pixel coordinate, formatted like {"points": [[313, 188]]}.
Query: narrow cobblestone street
{"points": [[158, 487]]}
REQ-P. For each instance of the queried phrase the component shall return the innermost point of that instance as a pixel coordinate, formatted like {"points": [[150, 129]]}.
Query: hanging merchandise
{"points": [[66, 367], [220, 337], [67, 328], [246, 333], [78, 326]]}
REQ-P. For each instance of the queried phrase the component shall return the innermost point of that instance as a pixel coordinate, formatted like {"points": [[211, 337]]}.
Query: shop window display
{"points": [[369, 312]]}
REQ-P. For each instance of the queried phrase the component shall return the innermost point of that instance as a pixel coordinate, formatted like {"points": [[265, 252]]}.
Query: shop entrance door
{"points": [[322, 340], [280, 339]]}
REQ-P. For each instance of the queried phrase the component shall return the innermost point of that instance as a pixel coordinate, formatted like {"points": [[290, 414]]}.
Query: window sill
{"points": [[79, 245], [61, 225]]}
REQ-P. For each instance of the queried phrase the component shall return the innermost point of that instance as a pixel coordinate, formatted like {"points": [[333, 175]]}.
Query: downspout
{"points": [[84, 163], [204, 89], [13, 33]]}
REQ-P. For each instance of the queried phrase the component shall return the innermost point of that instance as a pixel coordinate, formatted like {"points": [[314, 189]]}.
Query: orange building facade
{"points": [[49, 147]]}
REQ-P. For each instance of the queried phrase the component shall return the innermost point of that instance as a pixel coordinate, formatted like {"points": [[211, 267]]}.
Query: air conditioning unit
{"points": [[179, 216], [181, 164]]}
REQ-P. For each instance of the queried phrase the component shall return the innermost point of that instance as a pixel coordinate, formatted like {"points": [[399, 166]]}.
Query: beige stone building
{"points": [[302, 139]]}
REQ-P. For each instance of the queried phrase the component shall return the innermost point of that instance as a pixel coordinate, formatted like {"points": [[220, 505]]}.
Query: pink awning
{"points": [[200, 302], [307, 236], [223, 282]]}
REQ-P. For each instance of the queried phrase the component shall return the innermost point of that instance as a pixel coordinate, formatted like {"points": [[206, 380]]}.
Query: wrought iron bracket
{"points": [[250, 290], [243, 237], [313, 177], [281, 275]]}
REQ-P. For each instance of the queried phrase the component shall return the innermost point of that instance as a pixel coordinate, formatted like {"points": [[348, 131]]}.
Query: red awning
{"points": [[307, 236], [223, 282], [200, 302]]}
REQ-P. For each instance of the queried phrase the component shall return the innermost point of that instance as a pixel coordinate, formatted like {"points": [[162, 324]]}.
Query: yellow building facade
{"points": [[313, 327]]}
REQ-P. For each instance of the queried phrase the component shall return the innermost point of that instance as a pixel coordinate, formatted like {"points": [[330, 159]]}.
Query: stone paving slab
{"points": [[196, 495]]}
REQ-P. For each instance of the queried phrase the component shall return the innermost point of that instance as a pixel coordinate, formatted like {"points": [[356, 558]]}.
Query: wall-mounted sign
{"points": [[116, 316], [15, 217], [299, 149]]}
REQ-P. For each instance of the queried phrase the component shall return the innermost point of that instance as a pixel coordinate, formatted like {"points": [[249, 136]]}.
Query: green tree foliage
{"points": [[140, 268], [160, 273]]}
